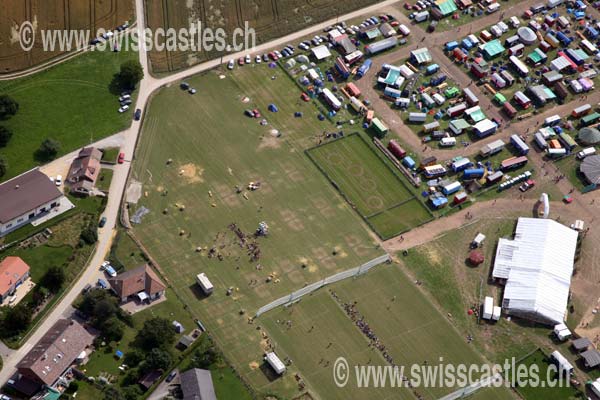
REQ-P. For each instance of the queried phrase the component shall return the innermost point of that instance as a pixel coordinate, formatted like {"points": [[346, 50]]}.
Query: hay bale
{"points": [[181, 232]]}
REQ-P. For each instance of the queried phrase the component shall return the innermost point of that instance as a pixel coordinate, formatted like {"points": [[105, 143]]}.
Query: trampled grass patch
{"points": [[369, 185]]}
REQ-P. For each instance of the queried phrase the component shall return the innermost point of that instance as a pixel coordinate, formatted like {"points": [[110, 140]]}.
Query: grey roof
{"points": [[590, 168], [591, 358], [196, 384], [581, 343], [186, 340], [589, 135], [24, 193]]}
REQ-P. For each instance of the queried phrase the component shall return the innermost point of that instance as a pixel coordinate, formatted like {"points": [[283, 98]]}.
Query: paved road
{"points": [[105, 236]]}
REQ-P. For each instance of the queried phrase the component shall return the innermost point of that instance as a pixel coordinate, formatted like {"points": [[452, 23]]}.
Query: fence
{"points": [[295, 296]]}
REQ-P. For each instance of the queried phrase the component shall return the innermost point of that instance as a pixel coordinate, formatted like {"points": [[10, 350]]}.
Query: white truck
{"points": [[488, 308], [204, 283], [275, 363], [588, 151]]}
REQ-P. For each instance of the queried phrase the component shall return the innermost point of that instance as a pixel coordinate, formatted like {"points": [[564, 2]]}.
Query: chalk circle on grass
{"points": [[356, 170], [335, 158], [375, 202], [368, 184]]}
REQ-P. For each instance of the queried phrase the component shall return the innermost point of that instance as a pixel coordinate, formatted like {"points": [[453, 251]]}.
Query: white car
{"points": [[123, 109], [258, 60], [248, 59], [104, 265], [124, 97], [58, 180], [231, 64]]}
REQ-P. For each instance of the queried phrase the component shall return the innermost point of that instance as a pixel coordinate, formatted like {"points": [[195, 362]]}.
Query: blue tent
{"points": [[273, 108], [119, 354]]}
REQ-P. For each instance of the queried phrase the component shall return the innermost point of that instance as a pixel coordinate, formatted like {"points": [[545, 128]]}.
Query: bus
{"points": [[590, 119], [519, 66], [567, 141], [552, 120], [519, 144]]}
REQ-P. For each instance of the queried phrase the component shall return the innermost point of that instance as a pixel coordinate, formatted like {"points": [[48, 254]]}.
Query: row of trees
{"points": [[8, 108]]}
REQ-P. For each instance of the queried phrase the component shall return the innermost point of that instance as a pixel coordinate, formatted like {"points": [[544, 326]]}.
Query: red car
{"points": [[408, 6], [304, 97], [256, 113], [121, 158], [272, 56], [241, 61], [394, 23]]}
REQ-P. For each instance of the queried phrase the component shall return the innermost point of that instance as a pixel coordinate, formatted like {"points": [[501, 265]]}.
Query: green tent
{"points": [[451, 92], [446, 7], [499, 97], [493, 48]]}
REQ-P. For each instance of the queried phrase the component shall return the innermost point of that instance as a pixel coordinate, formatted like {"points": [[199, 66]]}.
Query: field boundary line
{"points": [[308, 289]]}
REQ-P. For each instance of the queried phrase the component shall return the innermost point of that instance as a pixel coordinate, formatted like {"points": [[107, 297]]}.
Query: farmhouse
{"points": [[13, 272], [141, 282], [84, 171], [537, 267], [56, 351], [25, 198], [196, 384]]}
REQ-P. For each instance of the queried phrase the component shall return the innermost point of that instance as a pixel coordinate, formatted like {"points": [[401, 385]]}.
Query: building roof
{"points": [[150, 378], [196, 384], [591, 358], [446, 6], [55, 351], [493, 48], [460, 124], [11, 270], [321, 52], [24, 193], [581, 343], [85, 167], [421, 55], [538, 265], [142, 278], [589, 135]]}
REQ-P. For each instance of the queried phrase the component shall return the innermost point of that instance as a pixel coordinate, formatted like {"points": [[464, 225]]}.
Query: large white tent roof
{"points": [[321, 52], [538, 265]]}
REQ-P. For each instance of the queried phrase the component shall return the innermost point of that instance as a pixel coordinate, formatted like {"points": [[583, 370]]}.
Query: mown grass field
{"points": [[214, 147], [73, 103], [369, 185], [410, 327]]}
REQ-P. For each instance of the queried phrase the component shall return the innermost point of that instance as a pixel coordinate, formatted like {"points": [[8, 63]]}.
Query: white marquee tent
{"points": [[537, 266]]}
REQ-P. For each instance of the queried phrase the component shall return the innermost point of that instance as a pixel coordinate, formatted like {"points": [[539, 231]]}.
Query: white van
{"points": [[493, 8], [588, 151], [204, 283], [448, 142]]}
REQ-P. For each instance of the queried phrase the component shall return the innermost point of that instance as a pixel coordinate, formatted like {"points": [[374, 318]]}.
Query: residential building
{"points": [[196, 384], [25, 198], [84, 171], [13, 272], [141, 282]]}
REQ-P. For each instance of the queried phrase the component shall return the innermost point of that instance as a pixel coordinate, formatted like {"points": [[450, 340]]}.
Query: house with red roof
{"points": [[13, 272]]}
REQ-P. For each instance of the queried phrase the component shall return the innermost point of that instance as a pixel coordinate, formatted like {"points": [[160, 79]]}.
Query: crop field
{"points": [[53, 14], [73, 103], [369, 185], [269, 19], [407, 324], [213, 148]]}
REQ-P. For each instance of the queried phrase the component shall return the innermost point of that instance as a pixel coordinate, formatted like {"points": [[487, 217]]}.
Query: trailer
{"points": [[364, 68], [493, 178], [470, 97], [431, 126], [448, 142], [556, 152], [451, 188], [565, 368], [496, 313], [473, 173], [396, 150], [275, 363], [567, 141], [509, 110], [581, 111], [488, 307], [590, 119], [552, 120], [417, 117], [204, 283], [461, 164], [434, 171], [513, 163], [540, 141], [456, 110], [519, 145], [492, 148], [331, 99]]}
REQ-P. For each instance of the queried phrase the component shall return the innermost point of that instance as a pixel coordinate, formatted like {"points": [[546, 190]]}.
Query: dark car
{"points": [[171, 376], [138, 114], [86, 289], [102, 222]]}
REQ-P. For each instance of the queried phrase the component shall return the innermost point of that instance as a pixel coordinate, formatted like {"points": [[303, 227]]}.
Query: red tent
{"points": [[476, 257]]}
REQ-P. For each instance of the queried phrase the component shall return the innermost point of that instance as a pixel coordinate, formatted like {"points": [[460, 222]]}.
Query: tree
{"points": [[157, 359], [131, 73], [132, 392], [89, 234], [53, 279], [8, 106], [204, 358], [48, 149], [3, 167], [156, 332], [5, 135], [112, 329], [17, 318], [113, 393], [103, 310]]}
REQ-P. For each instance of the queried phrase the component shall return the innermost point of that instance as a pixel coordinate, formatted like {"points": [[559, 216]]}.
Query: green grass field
{"points": [[72, 103], [412, 330], [369, 185], [216, 149]]}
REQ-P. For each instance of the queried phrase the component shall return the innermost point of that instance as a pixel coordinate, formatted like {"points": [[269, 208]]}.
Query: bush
{"points": [[89, 234], [5, 135], [48, 150], [8, 107], [53, 279], [3, 167], [131, 73], [156, 333]]}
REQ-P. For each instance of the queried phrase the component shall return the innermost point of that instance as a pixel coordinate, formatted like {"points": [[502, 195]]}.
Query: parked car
{"points": [[102, 222], [241, 61], [257, 59], [230, 64], [256, 113], [192, 91], [138, 114], [86, 289], [171, 376], [265, 57], [128, 96], [102, 283], [525, 186], [58, 180], [124, 108], [121, 158], [110, 271], [304, 97], [248, 60]]}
